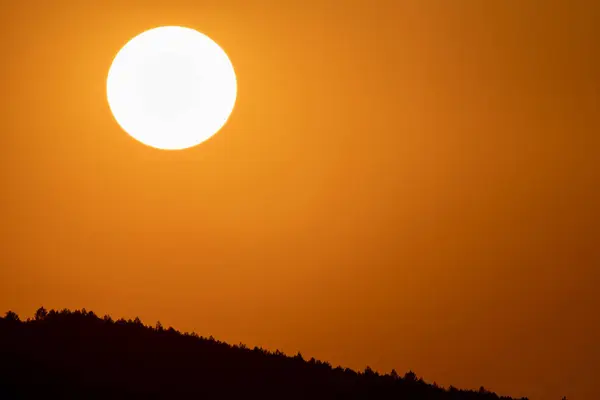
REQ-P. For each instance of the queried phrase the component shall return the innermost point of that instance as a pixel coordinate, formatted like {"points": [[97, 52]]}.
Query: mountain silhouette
{"points": [[78, 355]]}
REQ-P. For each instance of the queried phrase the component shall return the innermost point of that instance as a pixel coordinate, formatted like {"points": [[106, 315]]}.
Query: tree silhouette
{"points": [[369, 372], [75, 354], [40, 314], [410, 376], [12, 316]]}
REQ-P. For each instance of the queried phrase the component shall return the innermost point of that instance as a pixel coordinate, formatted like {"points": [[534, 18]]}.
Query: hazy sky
{"points": [[402, 184]]}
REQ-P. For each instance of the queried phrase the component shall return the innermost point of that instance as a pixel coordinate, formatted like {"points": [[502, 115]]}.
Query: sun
{"points": [[171, 87]]}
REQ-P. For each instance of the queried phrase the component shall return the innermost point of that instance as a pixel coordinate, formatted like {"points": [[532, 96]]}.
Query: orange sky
{"points": [[402, 184]]}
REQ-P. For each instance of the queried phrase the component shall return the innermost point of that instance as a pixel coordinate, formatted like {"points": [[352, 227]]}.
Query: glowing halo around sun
{"points": [[171, 87]]}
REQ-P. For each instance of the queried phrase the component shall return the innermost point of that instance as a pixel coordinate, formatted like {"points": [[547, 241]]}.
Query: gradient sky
{"points": [[402, 184]]}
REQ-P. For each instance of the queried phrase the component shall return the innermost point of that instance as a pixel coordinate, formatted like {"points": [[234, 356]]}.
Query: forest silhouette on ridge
{"points": [[77, 354]]}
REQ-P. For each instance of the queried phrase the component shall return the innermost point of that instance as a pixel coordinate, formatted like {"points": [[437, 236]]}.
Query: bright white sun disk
{"points": [[171, 87]]}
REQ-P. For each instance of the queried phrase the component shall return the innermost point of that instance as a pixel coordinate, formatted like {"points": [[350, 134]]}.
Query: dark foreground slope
{"points": [[80, 356]]}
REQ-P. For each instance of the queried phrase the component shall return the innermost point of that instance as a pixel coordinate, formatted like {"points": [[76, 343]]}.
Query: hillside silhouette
{"points": [[78, 355]]}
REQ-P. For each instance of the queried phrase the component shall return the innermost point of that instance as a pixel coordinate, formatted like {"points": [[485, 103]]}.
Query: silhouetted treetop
{"points": [[12, 316], [40, 314]]}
